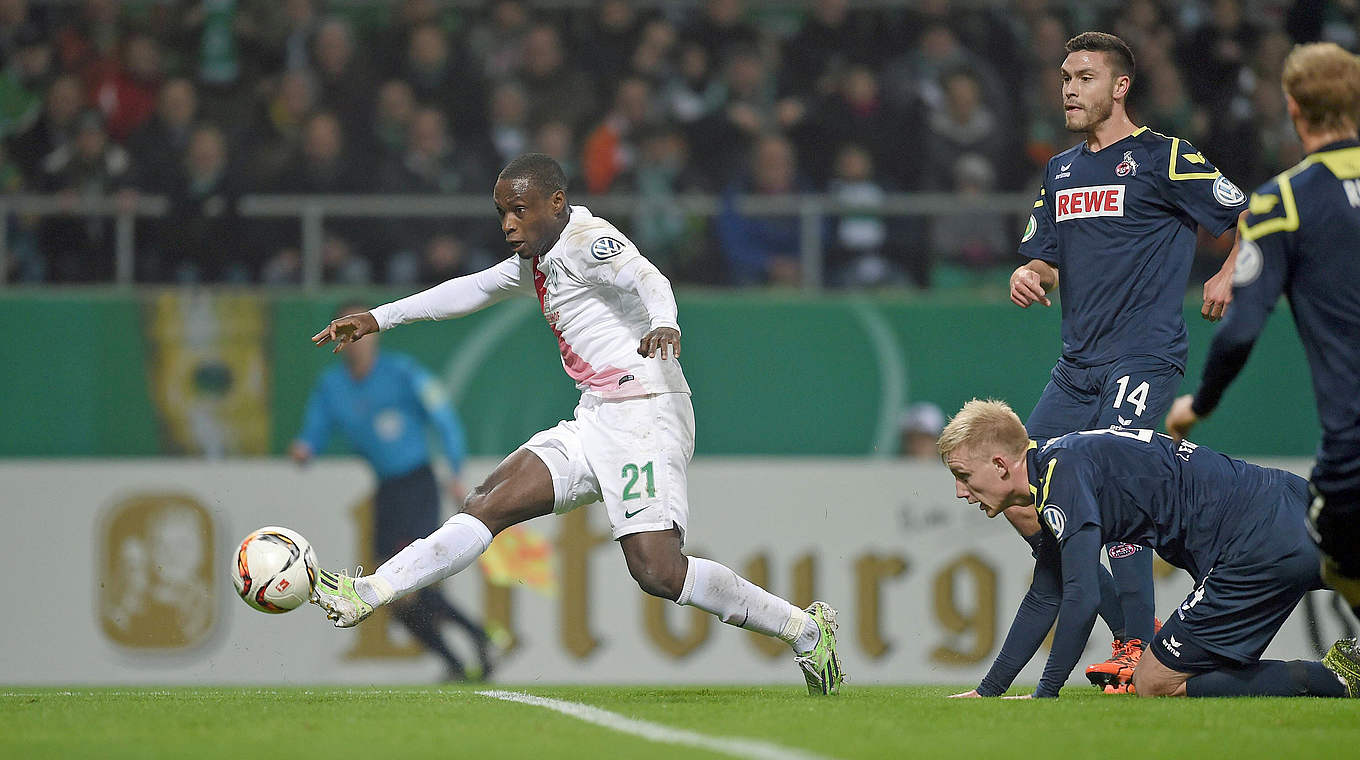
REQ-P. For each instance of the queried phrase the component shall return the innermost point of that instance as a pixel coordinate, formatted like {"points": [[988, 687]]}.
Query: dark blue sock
{"points": [[421, 619], [1109, 608], [1268, 678], [1133, 577]]}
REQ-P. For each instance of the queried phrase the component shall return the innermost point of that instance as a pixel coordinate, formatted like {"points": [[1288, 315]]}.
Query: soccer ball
{"points": [[274, 570]]}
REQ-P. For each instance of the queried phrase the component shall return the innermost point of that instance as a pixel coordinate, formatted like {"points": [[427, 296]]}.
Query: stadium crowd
{"points": [[203, 101]]}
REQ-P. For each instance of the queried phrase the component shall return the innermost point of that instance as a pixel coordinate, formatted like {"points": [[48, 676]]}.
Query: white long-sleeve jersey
{"points": [[599, 296]]}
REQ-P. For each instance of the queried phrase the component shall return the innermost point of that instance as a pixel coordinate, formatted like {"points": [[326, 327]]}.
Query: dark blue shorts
{"points": [[1259, 576], [406, 508], [1094, 398]]}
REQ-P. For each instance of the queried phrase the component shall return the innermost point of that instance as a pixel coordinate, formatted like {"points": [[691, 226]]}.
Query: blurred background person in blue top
{"points": [[383, 404]]}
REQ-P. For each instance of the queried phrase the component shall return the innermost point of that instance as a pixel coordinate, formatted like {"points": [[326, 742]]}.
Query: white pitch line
{"points": [[743, 748]]}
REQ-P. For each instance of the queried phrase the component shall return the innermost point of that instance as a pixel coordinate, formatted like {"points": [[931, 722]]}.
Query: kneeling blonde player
{"points": [[629, 444], [1239, 529]]}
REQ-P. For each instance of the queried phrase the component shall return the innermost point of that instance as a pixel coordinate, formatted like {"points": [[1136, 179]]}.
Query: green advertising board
{"points": [[223, 372]]}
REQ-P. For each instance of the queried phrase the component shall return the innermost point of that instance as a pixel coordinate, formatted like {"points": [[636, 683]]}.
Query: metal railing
{"points": [[311, 211]]}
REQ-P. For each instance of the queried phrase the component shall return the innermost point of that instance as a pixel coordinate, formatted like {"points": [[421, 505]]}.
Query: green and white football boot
{"points": [[822, 667], [1344, 660], [334, 593]]}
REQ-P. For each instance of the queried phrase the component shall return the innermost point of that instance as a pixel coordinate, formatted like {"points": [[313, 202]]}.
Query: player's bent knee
{"points": [[1153, 679], [658, 578]]}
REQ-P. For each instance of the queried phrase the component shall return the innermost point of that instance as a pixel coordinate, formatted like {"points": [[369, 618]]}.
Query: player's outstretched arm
{"points": [[1077, 613], [346, 330], [1032, 282]]}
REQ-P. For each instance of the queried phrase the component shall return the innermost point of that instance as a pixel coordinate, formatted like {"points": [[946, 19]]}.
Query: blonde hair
{"points": [[984, 423], [1324, 80]]}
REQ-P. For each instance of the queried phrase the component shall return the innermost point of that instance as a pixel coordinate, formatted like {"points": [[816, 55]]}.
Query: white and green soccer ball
{"points": [[274, 569]]}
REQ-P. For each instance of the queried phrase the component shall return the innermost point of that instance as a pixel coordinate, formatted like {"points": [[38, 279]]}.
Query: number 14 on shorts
{"points": [[635, 473]]}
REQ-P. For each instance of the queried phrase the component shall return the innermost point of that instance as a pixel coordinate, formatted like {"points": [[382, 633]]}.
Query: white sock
{"points": [[714, 588], [809, 638], [444, 552]]}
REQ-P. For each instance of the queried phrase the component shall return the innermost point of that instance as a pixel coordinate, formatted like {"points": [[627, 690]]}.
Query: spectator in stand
{"points": [[611, 149], [396, 106], [125, 89], [509, 112], [858, 254], [394, 39], [962, 124], [199, 241], [1144, 25], [18, 20], [916, 77], [344, 85], [763, 249], [651, 58], [323, 166], [24, 77], [1045, 129], [556, 90], [558, 139], [660, 227], [831, 39], [54, 129], [340, 264], [287, 43], [90, 39], [497, 43], [1165, 106], [433, 164], [856, 113], [918, 430], [447, 257], [749, 111], [722, 27], [975, 240], [1217, 52], [272, 140], [24, 263], [80, 249], [159, 146], [610, 37], [440, 79], [693, 92]]}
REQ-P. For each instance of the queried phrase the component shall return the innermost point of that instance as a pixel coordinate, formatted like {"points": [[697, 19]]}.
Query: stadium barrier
{"points": [[311, 211], [139, 576]]}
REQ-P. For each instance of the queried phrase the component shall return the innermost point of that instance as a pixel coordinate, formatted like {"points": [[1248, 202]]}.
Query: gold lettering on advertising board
{"points": [[871, 570], [977, 622], [575, 542]]}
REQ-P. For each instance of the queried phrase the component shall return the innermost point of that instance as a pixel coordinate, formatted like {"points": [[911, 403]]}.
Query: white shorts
{"points": [[632, 454]]}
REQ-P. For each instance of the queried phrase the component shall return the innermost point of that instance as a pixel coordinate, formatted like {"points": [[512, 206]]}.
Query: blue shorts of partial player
{"points": [[1258, 576], [405, 508], [1132, 392]]}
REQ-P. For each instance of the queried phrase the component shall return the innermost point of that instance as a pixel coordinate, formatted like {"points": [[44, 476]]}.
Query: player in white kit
{"points": [[631, 438]]}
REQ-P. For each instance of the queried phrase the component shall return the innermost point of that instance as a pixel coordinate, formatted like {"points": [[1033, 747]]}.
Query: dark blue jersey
{"points": [[1301, 237], [1119, 224], [1185, 501]]}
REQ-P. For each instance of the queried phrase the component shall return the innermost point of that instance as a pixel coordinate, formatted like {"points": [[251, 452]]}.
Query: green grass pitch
{"points": [[457, 722]]}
